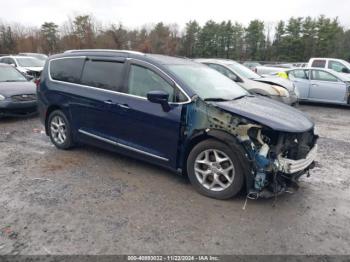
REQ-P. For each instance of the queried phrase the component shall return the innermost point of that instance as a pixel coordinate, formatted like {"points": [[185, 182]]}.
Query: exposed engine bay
{"points": [[280, 159]]}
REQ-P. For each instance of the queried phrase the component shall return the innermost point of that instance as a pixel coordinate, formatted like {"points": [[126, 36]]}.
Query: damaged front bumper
{"points": [[279, 160], [290, 166]]}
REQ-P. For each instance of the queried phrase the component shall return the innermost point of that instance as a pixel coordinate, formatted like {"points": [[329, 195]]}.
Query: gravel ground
{"points": [[90, 201]]}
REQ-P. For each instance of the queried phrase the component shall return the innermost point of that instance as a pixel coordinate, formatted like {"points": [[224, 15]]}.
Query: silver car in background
{"points": [[39, 56], [321, 85], [29, 66], [276, 88]]}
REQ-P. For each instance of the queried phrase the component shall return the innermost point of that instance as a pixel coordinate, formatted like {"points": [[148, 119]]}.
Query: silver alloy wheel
{"points": [[58, 129], [214, 170]]}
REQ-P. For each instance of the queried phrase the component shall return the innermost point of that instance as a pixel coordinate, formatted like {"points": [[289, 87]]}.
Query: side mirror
{"points": [[345, 70], [235, 78], [159, 97]]}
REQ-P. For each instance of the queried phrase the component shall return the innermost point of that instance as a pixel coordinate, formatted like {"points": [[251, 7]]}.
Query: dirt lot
{"points": [[89, 201]]}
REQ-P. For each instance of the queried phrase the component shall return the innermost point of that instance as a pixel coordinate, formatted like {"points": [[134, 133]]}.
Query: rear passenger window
{"points": [[319, 63], [323, 76], [103, 74], [67, 69]]}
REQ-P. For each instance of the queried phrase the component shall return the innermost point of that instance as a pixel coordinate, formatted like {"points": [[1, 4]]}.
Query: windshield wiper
{"points": [[216, 99], [14, 81], [239, 97]]}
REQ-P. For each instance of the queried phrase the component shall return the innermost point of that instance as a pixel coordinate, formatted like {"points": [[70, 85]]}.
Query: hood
{"points": [[8, 89], [276, 81], [268, 112], [35, 69]]}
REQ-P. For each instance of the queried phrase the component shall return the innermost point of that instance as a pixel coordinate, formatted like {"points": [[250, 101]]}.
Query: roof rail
{"points": [[104, 50]]}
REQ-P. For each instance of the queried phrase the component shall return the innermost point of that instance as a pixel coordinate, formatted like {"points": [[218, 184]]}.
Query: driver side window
{"points": [[223, 71], [323, 76], [336, 66], [143, 80]]}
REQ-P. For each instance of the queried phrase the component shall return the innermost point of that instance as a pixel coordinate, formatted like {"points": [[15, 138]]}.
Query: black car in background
{"points": [[17, 93]]}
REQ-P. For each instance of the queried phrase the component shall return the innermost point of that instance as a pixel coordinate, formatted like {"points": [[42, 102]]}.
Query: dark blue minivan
{"points": [[178, 114]]}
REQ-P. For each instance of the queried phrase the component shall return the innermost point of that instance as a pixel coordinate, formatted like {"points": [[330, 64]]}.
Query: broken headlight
{"points": [[280, 91]]}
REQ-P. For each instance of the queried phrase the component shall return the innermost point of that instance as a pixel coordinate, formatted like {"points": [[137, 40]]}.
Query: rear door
{"points": [[300, 78], [91, 91], [326, 87], [98, 110]]}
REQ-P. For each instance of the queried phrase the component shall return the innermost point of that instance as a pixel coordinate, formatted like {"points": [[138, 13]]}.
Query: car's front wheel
{"points": [[60, 130], [214, 170]]}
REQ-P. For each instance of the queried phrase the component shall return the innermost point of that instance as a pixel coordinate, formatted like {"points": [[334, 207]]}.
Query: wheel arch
{"points": [[48, 112], [226, 138]]}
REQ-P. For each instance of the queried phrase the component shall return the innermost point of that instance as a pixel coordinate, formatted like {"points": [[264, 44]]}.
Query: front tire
{"points": [[214, 170], [59, 130]]}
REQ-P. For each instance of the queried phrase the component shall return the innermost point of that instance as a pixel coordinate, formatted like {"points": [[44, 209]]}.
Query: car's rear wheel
{"points": [[214, 170], [60, 130]]}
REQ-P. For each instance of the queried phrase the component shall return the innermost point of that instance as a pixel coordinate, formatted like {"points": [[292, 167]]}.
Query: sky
{"points": [[136, 13]]}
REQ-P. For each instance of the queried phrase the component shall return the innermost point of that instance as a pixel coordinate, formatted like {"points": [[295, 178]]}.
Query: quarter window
{"points": [[67, 69], [323, 76], [103, 74], [143, 80], [319, 63]]}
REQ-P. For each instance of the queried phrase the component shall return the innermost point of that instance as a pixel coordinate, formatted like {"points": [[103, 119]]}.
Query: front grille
{"points": [[23, 98]]}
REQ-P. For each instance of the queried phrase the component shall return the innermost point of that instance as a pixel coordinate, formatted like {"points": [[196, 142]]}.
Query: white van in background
{"points": [[338, 65]]}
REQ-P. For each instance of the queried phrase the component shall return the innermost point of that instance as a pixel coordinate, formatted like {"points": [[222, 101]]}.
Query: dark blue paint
{"points": [[145, 126]]}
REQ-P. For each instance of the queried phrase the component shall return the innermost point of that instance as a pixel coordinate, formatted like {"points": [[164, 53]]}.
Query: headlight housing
{"points": [[2, 97], [280, 90]]}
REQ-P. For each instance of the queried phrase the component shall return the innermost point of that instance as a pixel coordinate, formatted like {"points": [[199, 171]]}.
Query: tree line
{"points": [[294, 40]]}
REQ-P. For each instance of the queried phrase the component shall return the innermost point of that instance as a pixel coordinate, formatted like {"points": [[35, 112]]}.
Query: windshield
{"points": [[207, 83], [10, 74], [30, 62], [243, 71]]}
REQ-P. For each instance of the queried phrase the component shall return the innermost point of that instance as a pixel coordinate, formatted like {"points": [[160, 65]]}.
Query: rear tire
{"points": [[59, 130], [214, 170]]}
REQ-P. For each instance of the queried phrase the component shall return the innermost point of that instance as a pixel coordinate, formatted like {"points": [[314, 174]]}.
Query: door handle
{"points": [[108, 102], [124, 106], [314, 84]]}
